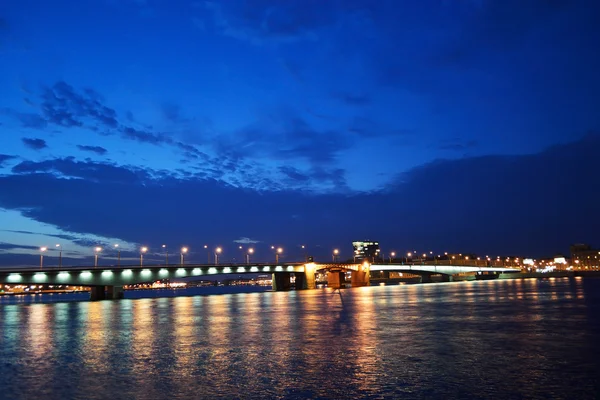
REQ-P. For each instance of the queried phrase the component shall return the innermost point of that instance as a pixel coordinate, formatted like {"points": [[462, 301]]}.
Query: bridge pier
{"points": [[281, 281], [335, 279], [97, 293], [114, 292], [362, 278]]}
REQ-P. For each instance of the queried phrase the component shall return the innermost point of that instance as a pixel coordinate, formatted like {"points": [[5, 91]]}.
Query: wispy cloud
{"points": [[93, 149], [35, 144]]}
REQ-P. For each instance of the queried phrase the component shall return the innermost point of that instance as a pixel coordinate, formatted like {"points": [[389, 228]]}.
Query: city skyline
{"points": [[425, 125]]}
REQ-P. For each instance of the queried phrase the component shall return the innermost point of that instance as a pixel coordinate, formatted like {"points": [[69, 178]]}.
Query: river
{"points": [[506, 339]]}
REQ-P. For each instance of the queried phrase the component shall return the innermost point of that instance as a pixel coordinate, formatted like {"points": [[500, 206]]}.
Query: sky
{"points": [[462, 126]]}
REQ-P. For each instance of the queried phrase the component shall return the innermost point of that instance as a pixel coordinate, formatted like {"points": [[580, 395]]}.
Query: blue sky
{"points": [[298, 122]]}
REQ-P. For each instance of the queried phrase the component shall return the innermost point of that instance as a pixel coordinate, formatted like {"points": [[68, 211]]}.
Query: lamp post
{"points": [[59, 255], [164, 246], [118, 255], [96, 251], [218, 251], [250, 251], [277, 253], [42, 250], [408, 255], [304, 251], [184, 250], [392, 255], [142, 251], [335, 254], [207, 254], [241, 251]]}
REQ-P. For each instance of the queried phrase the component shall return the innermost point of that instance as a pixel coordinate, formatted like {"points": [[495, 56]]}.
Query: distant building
{"points": [[366, 250], [583, 256]]}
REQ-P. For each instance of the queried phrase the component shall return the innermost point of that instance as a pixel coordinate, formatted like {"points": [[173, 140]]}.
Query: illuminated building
{"points": [[366, 250], [583, 256]]}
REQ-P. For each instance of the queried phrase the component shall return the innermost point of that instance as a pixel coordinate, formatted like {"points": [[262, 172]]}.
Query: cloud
{"points": [[63, 105], [245, 240], [478, 203], [458, 145], [94, 149], [4, 158], [27, 120], [271, 20], [35, 144], [10, 246], [352, 99]]}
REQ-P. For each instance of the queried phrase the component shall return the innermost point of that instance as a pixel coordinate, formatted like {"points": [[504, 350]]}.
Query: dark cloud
{"points": [[352, 99], [284, 136], [4, 158], [491, 204], [94, 149], [35, 144], [172, 112], [63, 105], [268, 19], [10, 246], [89, 171], [458, 145], [27, 120]]}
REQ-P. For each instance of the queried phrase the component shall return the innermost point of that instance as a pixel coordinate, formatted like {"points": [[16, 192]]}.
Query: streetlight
{"points": [[207, 254], [408, 255], [250, 251], [277, 253], [59, 255], [142, 251], [164, 246], [184, 250], [42, 250], [304, 251], [392, 255], [242, 251], [335, 254], [118, 255], [96, 251], [218, 251]]}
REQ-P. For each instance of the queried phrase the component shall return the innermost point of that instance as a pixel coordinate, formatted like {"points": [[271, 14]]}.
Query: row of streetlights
{"points": [[183, 251]]}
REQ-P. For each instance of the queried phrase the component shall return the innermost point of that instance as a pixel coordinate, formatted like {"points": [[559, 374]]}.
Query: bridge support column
{"points": [[97, 293], [309, 279], [335, 279], [361, 278], [114, 292], [281, 281], [447, 278], [426, 279]]}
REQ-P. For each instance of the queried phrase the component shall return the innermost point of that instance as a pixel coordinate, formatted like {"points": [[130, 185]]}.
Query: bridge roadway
{"points": [[108, 281]]}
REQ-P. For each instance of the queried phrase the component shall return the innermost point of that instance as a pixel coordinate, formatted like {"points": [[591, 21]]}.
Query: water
{"points": [[511, 339]]}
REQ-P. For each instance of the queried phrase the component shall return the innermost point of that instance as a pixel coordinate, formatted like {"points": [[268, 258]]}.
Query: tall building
{"points": [[366, 250], [583, 256]]}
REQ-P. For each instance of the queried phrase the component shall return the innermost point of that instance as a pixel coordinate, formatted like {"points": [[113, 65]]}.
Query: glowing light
{"points": [[98, 249], [184, 250], [144, 249], [43, 248]]}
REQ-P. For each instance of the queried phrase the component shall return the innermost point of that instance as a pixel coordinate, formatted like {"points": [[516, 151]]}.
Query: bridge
{"points": [[108, 281]]}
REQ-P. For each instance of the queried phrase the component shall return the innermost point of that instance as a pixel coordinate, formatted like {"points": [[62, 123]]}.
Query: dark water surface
{"points": [[507, 339]]}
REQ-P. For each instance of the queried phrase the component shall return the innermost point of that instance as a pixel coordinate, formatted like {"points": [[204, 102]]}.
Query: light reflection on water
{"points": [[489, 339]]}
